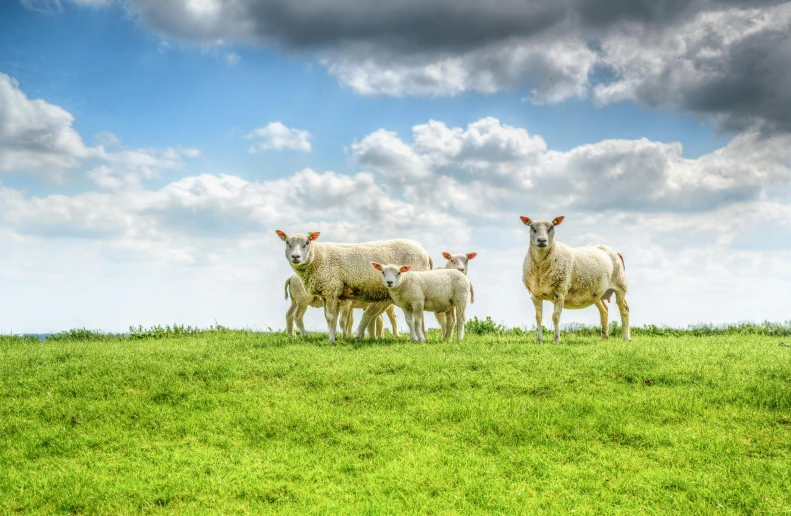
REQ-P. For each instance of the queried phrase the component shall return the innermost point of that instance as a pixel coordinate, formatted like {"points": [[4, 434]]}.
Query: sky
{"points": [[149, 150]]}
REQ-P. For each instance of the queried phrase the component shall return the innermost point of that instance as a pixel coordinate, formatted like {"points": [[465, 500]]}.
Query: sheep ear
{"points": [[557, 220], [405, 268], [471, 256], [376, 266], [282, 235], [446, 255], [526, 221], [314, 235]]}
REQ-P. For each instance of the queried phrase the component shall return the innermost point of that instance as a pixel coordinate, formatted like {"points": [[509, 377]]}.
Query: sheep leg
{"points": [[450, 320], [290, 318], [418, 317], [605, 325], [620, 298], [410, 322], [370, 313], [391, 314], [539, 306], [300, 313], [372, 328], [442, 320], [461, 308], [347, 319], [380, 326], [331, 315], [559, 299]]}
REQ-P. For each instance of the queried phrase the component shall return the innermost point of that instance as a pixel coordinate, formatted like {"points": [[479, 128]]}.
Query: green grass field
{"points": [[235, 422]]}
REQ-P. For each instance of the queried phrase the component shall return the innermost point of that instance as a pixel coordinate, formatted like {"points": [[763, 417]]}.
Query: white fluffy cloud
{"points": [[36, 136], [130, 167], [488, 161], [550, 72], [277, 136]]}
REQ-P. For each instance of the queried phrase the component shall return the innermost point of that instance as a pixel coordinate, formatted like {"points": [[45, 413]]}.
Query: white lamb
{"points": [[301, 300], [440, 290], [342, 272], [572, 277], [460, 262]]}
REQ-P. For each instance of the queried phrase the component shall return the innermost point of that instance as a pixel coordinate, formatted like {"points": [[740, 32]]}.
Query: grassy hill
{"points": [[237, 422]]}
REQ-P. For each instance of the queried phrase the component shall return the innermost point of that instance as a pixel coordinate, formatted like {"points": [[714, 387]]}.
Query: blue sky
{"points": [[194, 79]]}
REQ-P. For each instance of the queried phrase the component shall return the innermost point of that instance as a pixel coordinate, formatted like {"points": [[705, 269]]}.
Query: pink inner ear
{"points": [[377, 266], [471, 256], [282, 235], [525, 220], [558, 220], [315, 235], [405, 268], [446, 255]]}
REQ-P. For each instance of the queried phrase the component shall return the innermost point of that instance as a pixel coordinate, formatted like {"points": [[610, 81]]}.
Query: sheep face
{"points": [[299, 250], [458, 261], [391, 274], [542, 232]]}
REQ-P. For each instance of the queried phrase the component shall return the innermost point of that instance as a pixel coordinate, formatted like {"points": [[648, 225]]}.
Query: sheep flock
{"points": [[378, 276]]}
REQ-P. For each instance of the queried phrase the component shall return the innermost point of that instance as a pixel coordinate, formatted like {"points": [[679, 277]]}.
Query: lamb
{"points": [[342, 272], [441, 290], [301, 300], [460, 262], [572, 277]]}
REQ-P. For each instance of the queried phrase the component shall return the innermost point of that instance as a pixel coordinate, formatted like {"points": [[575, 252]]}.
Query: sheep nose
{"points": [[542, 241], [389, 283], [295, 257]]}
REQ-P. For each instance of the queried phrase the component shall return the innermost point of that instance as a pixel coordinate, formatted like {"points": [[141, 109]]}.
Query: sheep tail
{"points": [[622, 262], [430, 263], [287, 282], [472, 295]]}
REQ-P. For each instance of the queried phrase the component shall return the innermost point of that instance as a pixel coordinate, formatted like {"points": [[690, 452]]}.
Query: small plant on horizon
{"points": [[486, 326]]}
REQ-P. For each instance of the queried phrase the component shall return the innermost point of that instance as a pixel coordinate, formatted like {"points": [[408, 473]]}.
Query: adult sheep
{"points": [[572, 277], [343, 272]]}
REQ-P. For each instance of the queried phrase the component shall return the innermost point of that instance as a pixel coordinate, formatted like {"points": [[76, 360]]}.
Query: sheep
{"points": [[301, 300], [342, 272], [572, 277], [441, 290], [460, 262]]}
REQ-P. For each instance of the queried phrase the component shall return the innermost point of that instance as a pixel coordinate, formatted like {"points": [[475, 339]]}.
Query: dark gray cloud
{"points": [[424, 24], [724, 60], [731, 66]]}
